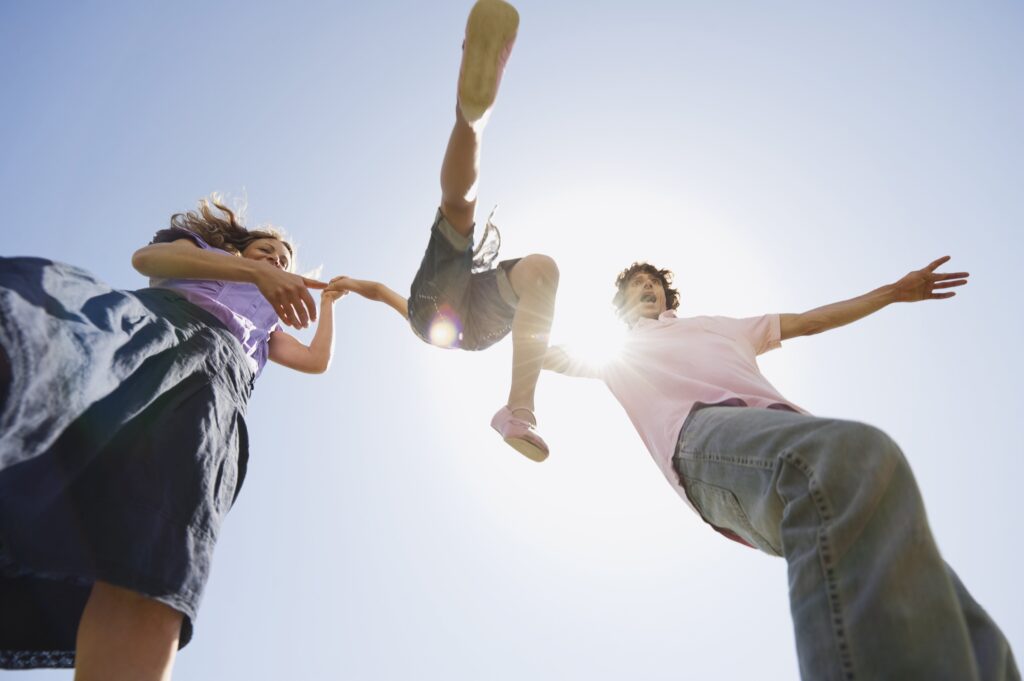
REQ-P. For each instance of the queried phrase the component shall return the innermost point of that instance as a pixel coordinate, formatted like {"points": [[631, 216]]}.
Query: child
{"points": [[451, 304], [122, 436]]}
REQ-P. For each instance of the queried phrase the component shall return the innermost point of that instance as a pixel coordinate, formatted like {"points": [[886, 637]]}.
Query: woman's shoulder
{"points": [[170, 234]]}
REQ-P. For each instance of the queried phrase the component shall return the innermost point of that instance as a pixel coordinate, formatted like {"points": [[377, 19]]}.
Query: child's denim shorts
{"points": [[452, 306]]}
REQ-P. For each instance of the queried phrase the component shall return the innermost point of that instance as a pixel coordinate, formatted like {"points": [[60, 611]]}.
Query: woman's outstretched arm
{"points": [[182, 259]]}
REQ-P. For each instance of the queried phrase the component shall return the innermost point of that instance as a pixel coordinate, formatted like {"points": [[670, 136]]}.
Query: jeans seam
{"points": [[691, 455], [825, 555], [724, 458]]}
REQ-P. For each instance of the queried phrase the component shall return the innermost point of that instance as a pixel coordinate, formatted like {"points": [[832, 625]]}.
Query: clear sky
{"points": [[778, 156]]}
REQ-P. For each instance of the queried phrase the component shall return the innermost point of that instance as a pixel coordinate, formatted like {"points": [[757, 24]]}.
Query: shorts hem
{"points": [[505, 290], [457, 241]]}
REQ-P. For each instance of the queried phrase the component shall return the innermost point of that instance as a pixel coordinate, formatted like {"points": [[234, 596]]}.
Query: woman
{"points": [[122, 436]]}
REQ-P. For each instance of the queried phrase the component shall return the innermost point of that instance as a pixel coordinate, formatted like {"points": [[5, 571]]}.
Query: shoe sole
{"points": [[491, 26], [527, 449]]}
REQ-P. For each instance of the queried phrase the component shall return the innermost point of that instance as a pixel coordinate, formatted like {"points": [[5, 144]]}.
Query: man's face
{"points": [[644, 297]]}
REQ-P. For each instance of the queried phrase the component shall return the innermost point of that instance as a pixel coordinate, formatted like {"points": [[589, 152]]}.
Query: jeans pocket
{"points": [[720, 508]]}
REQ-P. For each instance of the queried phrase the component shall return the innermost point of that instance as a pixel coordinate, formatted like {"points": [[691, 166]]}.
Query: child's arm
{"points": [[314, 358], [372, 290], [561, 361]]}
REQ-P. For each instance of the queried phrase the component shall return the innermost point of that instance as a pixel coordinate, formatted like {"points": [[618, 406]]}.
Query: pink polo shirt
{"points": [[669, 364]]}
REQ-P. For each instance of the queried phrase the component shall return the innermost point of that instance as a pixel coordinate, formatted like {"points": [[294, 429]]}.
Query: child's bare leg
{"points": [[535, 281], [490, 32], [124, 635], [459, 174]]}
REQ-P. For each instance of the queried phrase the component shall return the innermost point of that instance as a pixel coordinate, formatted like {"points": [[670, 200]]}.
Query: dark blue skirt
{"points": [[122, 447]]}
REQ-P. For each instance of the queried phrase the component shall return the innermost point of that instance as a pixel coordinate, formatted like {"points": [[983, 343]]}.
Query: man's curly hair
{"points": [[664, 276]]}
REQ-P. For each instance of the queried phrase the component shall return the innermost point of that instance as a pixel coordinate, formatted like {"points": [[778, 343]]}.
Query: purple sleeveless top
{"points": [[239, 306]]}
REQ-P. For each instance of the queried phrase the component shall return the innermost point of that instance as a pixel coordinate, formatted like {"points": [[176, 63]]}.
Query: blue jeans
{"points": [[871, 598]]}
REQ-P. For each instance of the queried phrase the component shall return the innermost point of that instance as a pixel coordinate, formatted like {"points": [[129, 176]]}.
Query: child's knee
{"points": [[539, 269]]}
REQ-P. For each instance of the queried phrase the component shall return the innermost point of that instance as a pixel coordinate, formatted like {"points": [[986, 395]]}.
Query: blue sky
{"points": [[777, 157]]}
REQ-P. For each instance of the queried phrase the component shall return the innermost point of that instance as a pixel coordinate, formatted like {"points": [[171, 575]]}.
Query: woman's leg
{"points": [[124, 635], [5, 377], [535, 281]]}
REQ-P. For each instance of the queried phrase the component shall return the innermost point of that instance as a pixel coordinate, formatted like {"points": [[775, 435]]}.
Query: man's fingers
{"points": [[951, 275], [948, 284], [936, 296], [936, 263]]}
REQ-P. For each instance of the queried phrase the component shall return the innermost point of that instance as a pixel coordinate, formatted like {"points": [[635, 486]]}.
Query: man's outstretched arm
{"points": [[922, 284]]}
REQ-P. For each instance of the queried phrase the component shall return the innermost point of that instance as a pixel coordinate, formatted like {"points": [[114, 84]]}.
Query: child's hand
{"points": [[328, 296], [367, 289]]}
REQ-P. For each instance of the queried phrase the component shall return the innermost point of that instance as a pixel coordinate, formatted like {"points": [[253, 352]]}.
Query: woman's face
{"points": [[272, 251]]}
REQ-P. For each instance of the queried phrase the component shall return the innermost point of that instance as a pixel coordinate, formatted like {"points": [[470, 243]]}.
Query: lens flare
{"points": [[446, 328]]}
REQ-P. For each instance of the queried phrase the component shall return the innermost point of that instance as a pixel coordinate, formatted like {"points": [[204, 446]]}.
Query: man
{"points": [[871, 597]]}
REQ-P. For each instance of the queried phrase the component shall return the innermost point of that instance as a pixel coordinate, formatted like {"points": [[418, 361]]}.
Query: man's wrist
{"points": [[890, 293]]}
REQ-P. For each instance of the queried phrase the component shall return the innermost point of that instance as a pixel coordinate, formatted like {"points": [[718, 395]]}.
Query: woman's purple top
{"points": [[239, 306]]}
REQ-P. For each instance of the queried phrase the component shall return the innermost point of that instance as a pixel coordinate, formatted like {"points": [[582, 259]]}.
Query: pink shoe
{"points": [[490, 32], [520, 435]]}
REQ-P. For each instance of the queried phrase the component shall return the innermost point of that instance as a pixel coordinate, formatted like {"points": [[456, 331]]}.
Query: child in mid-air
{"points": [[456, 300]]}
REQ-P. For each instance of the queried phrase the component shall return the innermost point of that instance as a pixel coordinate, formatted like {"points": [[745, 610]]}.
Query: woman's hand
{"points": [[288, 293]]}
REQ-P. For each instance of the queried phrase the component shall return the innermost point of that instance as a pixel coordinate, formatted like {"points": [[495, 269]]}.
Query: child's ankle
{"points": [[523, 413]]}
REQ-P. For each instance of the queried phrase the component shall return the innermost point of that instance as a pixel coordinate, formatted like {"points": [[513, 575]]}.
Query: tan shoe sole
{"points": [[530, 451], [491, 27]]}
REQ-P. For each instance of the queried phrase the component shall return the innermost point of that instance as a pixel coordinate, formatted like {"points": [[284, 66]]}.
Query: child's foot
{"points": [[490, 32], [520, 434]]}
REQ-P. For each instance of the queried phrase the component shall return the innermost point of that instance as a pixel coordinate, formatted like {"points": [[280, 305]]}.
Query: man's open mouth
{"points": [[648, 298]]}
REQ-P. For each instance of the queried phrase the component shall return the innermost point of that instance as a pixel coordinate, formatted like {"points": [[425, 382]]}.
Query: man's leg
{"points": [[871, 597], [991, 649], [125, 636]]}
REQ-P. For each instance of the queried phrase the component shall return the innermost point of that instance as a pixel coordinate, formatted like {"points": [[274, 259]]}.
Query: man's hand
{"points": [[288, 293], [923, 284]]}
